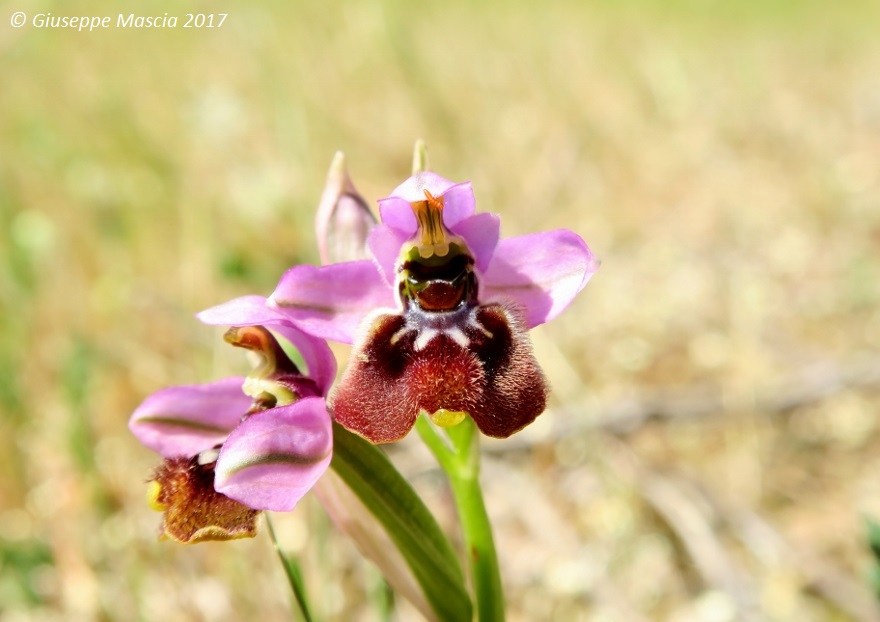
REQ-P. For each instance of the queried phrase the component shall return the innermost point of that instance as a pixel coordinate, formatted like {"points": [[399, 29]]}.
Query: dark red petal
{"points": [[388, 382], [371, 399], [495, 378], [194, 511], [515, 389], [445, 375]]}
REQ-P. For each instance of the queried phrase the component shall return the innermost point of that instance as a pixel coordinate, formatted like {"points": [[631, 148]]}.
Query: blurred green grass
{"points": [[722, 159]]}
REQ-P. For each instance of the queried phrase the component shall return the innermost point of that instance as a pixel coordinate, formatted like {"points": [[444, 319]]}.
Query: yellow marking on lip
{"points": [[447, 418], [154, 489]]}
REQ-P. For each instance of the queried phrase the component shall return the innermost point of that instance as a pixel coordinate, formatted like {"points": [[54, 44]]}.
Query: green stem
{"points": [[294, 576], [460, 459], [383, 599]]}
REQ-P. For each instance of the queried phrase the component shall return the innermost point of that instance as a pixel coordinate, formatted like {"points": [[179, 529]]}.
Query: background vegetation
{"points": [[711, 451]]}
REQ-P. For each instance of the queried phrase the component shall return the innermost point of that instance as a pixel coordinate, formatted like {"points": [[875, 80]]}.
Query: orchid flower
{"points": [[240, 445], [439, 315]]}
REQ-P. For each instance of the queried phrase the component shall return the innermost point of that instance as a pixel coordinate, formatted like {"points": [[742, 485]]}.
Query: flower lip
{"points": [[183, 489], [477, 361]]}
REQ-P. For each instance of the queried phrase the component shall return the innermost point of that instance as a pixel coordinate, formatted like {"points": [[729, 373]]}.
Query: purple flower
{"points": [[439, 316], [239, 445]]}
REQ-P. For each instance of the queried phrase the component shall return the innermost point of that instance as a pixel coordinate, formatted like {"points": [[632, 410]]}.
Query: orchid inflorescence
{"points": [[437, 307]]}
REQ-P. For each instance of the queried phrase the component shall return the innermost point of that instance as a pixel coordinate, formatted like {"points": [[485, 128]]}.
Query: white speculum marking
{"points": [[425, 337], [427, 326], [458, 336]]}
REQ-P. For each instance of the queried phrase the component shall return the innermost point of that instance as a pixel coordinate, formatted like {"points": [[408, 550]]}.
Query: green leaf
{"points": [[372, 477]]}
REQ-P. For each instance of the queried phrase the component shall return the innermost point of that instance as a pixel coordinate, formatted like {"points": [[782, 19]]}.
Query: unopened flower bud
{"points": [[344, 220]]}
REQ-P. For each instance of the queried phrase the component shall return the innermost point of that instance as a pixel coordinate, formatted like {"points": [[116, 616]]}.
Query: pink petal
{"points": [[399, 223], [413, 188], [274, 457], [542, 272], [481, 233], [185, 420], [385, 244], [253, 311], [458, 201], [397, 214], [244, 311], [329, 302]]}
